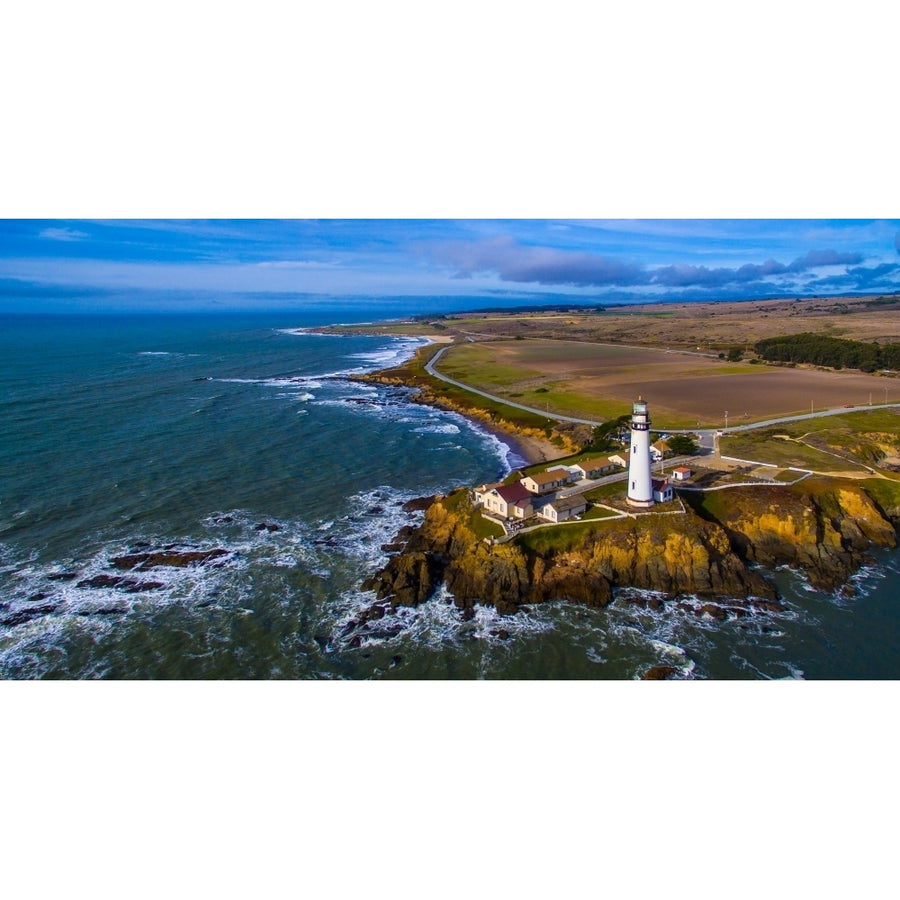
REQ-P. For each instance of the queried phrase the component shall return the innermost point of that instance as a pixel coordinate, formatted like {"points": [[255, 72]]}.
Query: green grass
{"points": [[606, 492], [763, 446], [884, 491], [595, 513], [554, 539], [458, 503]]}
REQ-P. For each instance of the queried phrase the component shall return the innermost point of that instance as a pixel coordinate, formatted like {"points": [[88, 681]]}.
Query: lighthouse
{"points": [[640, 487]]}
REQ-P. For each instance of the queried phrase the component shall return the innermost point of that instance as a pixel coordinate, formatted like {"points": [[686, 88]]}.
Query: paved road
{"points": [[707, 435], [429, 368]]}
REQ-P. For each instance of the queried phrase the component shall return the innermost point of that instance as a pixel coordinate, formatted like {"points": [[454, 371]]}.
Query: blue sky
{"points": [[58, 265]]}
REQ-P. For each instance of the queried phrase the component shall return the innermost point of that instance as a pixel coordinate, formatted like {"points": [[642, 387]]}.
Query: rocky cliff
{"points": [[709, 552], [823, 527]]}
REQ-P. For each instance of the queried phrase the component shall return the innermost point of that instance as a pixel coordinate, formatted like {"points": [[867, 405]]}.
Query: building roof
{"points": [[514, 493], [572, 502], [549, 477], [599, 462], [683, 469]]}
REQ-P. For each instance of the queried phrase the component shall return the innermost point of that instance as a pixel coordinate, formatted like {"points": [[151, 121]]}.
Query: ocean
{"points": [[239, 446]]}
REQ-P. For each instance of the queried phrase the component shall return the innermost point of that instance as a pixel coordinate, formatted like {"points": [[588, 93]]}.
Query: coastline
{"points": [[530, 448]]}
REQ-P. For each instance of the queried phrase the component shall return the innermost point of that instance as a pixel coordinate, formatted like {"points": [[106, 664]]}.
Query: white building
{"points": [[662, 490], [640, 488]]}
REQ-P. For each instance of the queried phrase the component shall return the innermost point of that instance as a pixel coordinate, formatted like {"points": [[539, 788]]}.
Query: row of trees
{"points": [[822, 350]]}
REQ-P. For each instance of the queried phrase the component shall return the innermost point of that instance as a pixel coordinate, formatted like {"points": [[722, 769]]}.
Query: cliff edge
{"points": [[713, 552]]}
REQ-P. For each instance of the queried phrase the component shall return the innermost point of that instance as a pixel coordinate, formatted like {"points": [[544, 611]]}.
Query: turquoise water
{"points": [[243, 435]]}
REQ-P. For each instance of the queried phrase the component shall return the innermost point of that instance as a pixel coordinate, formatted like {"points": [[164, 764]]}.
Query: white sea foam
{"points": [[43, 603], [437, 429]]}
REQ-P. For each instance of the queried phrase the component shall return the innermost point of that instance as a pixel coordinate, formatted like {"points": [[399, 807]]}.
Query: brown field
{"points": [[715, 326], [683, 389]]}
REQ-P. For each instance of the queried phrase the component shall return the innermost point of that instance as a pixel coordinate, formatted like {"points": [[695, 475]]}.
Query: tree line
{"points": [[822, 350]]}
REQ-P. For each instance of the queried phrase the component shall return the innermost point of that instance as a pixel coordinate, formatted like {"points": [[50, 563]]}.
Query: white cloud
{"points": [[63, 234]]}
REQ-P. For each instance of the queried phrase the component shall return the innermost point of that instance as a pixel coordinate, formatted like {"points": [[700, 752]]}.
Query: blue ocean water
{"points": [[241, 438]]}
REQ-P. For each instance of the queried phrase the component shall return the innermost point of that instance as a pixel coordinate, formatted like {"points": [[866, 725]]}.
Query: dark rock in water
{"points": [[107, 581], [659, 673], [468, 614], [266, 526], [103, 611], [376, 510], [26, 615], [34, 598], [355, 642], [715, 611], [129, 585], [419, 504], [62, 576], [768, 605], [223, 520], [396, 660], [167, 557], [405, 533], [388, 631]]}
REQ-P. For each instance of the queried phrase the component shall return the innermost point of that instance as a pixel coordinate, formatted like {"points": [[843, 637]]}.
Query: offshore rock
{"points": [[659, 673], [134, 562]]}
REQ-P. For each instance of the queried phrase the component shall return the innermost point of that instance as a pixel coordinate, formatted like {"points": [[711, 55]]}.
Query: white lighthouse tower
{"points": [[640, 487]]}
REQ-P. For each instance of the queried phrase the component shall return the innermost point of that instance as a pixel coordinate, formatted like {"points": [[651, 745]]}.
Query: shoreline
{"points": [[531, 449]]}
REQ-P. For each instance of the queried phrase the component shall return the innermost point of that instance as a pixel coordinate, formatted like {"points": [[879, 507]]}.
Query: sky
{"points": [[198, 265]]}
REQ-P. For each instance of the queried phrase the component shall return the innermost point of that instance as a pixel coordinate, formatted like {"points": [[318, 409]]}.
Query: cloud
{"points": [[818, 258], [516, 262], [63, 234], [701, 276]]}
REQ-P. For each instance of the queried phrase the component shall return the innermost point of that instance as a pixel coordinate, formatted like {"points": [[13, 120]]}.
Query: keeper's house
{"points": [[563, 508], [544, 482], [509, 501], [595, 468], [621, 459]]}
